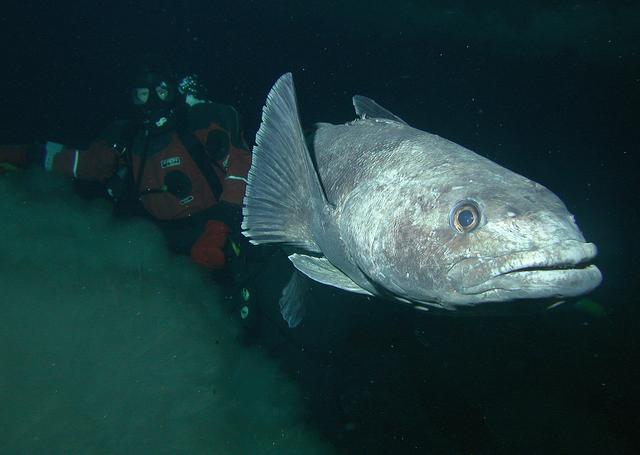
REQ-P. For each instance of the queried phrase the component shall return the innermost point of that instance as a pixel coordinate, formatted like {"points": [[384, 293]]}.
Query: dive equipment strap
{"points": [[199, 155]]}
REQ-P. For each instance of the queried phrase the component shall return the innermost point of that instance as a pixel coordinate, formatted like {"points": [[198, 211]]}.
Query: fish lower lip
{"points": [[542, 282], [562, 269]]}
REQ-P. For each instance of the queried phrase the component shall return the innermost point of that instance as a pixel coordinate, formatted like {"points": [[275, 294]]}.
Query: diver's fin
{"points": [[321, 270], [294, 299], [367, 108], [283, 194]]}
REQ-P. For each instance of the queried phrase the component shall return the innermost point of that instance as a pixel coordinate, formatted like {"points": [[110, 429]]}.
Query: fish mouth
{"points": [[563, 269]]}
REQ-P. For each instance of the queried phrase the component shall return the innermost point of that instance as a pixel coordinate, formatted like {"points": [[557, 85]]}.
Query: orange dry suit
{"points": [[189, 176]]}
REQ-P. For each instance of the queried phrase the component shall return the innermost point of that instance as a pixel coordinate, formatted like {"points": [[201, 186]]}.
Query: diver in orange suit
{"points": [[182, 161]]}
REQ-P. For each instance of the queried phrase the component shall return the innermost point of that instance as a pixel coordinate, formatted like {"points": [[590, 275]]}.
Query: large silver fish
{"points": [[388, 210]]}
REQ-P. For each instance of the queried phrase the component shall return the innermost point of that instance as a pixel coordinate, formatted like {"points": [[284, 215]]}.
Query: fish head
{"points": [[474, 232], [516, 241]]}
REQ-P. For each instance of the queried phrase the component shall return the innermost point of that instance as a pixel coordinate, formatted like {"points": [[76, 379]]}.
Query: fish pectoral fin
{"points": [[367, 108], [323, 271]]}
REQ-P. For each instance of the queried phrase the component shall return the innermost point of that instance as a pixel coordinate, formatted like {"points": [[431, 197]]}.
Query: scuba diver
{"points": [[182, 161]]}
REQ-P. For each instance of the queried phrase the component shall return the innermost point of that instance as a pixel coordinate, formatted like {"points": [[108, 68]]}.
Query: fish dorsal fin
{"points": [[367, 108]]}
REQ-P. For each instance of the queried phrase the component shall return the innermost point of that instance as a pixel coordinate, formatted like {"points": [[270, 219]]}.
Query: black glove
{"points": [[230, 214], [21, 155]]}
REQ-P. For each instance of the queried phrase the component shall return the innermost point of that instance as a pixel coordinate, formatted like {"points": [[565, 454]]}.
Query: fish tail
{"points": [[284, 194]]}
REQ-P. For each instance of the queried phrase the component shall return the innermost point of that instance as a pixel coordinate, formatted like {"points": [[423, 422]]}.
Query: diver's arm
{"points": [[17, 156], [237, 165], [97, 163]]}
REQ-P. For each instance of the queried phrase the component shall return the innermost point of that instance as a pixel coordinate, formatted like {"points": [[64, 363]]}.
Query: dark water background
{"points": [[549, 89]]}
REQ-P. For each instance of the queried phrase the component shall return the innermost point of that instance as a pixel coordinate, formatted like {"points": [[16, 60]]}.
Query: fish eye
{"points": [[465, 217]]}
